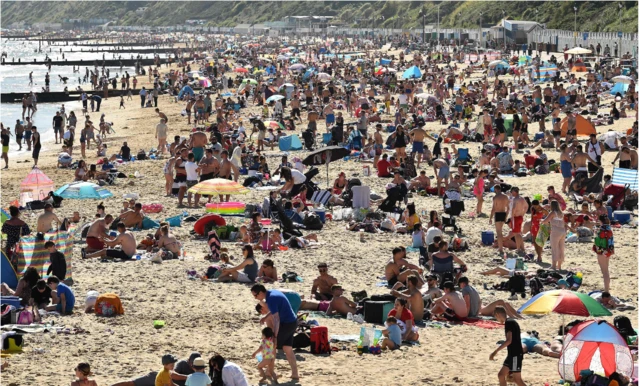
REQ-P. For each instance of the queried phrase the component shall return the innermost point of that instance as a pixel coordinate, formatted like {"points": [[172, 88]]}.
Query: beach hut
{"points": [[35, 186], [584, 128]]}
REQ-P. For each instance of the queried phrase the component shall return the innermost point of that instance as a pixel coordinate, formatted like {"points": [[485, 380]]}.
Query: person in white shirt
{"points": [[191, 168], [230, 373], [294, 180], [433, 232]]}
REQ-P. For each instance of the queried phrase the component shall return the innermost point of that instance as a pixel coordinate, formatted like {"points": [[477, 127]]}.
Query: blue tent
{"points": [[289, 143], [385, 62], [186, 90], [9, 274], [619, 88], [83, 191], [413, 72]]}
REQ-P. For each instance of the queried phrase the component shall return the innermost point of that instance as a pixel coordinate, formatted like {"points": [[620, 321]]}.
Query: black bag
{"points": [[8, 314], [624, 326], [536, 286], [301, 340], [374, 311], [289, 277], [313, 222], [596, 380], [516, 284], [141, 156]]}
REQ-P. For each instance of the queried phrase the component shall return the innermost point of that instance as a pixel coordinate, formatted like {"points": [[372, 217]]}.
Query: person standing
{"points": [[512, 365], [161, 135], [285, 321], [5, 146], [499, 211], [603, 247], [19, 131], [518, 208], [143, 96], [557, 234], [57, 126], [36, 145], [538, 213]]}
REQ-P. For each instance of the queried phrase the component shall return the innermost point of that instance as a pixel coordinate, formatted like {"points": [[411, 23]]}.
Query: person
{"points": [[321, 289], [384, 167], [125, 239], [132, 217], [63, 296], [41, 295], [412, 295], [392, 335], [505, 161], [45, 221], [474, 302], [517, 209], [226, 373], [340, 183], [267, 350], [98, 230], [58, 263], [4, 136], [558, 233], [405, 320], [23, 290], [198, 377], [499, 211], [565, 166], [339, 304], [83, 372], [294, 180], [604, 248], [478, 190], [398, 268], [169, 242], [192, 169], [268, 272], [14, 228], [441, 170], [538, 213], [285, 322], [249, 267], [451, 305], [163, 378], [595, 149], [512, 364]]}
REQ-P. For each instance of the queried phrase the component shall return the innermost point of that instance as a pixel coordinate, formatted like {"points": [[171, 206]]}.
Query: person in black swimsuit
{"points": [[36, 145]]}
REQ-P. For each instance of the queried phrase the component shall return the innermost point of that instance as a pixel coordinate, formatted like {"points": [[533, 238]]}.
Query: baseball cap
{"points": [[168, 359]]}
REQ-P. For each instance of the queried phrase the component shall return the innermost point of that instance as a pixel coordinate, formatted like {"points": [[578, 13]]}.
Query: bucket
{"points": [[322, 214], [366, 171], [610, 213], [488, 237], [622, 216]]}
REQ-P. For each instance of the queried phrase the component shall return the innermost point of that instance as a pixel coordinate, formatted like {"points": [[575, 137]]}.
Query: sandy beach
{"points": [[215, 317]]}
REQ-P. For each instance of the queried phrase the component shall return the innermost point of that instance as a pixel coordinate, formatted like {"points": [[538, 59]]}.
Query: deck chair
{"points": [[463, 156], [625, 177], [321, 197]]}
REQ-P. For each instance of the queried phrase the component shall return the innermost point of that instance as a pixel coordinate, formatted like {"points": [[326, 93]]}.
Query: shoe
{"points": [[513, 297]]}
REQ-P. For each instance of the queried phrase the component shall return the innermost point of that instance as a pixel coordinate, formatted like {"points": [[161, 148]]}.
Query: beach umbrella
{"points": [[578, 51], [205, 83], [597, 346], [241, 70], [287, 85], [622, 79], [412, 72], [324, 76], [218, 186], [274, 98], [495, 63], [83, 191], [274, 124], [298, 66], [425, 95], [563, 302], [250, 81], [325, 156]]}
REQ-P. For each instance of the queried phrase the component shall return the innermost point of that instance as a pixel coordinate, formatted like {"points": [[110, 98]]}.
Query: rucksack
{"points": [[313, 222], [516, 284], [141, 155], [536, 286], [319, 340], [289, 277]]}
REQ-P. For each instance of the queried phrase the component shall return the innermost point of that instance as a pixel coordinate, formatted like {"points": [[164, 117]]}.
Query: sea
{"points": [[15, 78]]}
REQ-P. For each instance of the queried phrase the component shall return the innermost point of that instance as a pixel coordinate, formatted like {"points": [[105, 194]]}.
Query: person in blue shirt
{"points": [[64, 297], [284, 321], [198, 378], [392, 335]]}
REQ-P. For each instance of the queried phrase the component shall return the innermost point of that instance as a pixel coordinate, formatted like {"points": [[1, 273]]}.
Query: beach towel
{"points": [[32, 253], [543, 234], [214, 245], [482, 323], [361, 197]]}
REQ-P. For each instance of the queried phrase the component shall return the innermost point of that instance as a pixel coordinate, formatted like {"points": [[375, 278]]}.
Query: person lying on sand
{"points": [[339, 304], [531, 344], [452, 305], [474, 302], [321, 289], [611, 302]]}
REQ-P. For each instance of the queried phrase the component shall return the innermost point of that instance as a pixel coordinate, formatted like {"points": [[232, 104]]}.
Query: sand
{"points": [[211, 317]]}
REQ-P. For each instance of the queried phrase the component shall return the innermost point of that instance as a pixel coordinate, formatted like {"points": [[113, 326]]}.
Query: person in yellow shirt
{"points": [[164, 376]]}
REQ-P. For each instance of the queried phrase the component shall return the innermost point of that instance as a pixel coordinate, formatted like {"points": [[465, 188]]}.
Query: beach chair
{"points": [[463, 156], [321, 197], [326, 138], [625, 177]]}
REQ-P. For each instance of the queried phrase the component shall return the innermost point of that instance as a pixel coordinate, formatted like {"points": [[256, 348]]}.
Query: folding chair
{"points": [[321, 197], [326, 138], [463, 156]]}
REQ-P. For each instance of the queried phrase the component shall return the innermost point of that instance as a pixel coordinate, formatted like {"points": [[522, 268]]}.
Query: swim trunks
{"points": [[513, 363], [330, 118], [94, 243], [529, 342], [207, 176], [500, 217], [378, 149], [418, 147], [117, 254], [450, 314], [516, 224], [443, 172], [198, 153], [459, 108]]}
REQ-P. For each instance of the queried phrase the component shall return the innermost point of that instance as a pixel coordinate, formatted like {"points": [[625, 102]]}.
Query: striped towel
{"points": [[32, 253], [214, 245], [624, 177]]}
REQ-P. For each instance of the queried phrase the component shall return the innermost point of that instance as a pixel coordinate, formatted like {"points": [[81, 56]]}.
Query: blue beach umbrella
{"points": [[83, 191], [413, 72]]}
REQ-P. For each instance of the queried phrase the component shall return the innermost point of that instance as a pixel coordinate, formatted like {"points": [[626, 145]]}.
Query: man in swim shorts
{"points": [[126, 240], [519, 207], [197, 143], [339, 304], [499, 212], [97, 231]]}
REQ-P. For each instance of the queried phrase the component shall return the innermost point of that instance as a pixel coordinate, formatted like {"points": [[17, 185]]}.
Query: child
{"points": [[268, 356], [129, 95], [198, 378], [101, 210], [147, 243], [63, 298], [392, 335], [164, 376], [513, 363], [58, 264], [83, 371], [121, 103], [41, 295], [243, 237]]}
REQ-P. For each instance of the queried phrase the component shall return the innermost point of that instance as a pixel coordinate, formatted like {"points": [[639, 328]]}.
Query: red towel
{"points": [[482, 323]]}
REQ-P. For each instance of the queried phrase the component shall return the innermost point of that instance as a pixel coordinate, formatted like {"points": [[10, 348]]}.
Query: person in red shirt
{"points": [[383, 167], [529, 159], [405, 320], [555, 196]]}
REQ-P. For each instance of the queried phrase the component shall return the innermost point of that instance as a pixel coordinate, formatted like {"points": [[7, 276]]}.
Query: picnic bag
{"points": [[320, 340]]}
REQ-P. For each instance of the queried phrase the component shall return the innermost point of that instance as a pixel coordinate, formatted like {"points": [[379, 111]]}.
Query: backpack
{"points": [[141, 155], [536, 286], [289, 277], [301, 340], [596, 380], [319, 340], [24, 317], [624, 326], [516, 284], [313, 222]]}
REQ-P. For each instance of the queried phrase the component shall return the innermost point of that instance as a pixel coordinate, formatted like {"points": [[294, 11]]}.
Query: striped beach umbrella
{"points": [[563, 302], [218, 186]]}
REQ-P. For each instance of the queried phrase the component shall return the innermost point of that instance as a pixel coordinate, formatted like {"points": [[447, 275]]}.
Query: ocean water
{"points": [[16, 79]]}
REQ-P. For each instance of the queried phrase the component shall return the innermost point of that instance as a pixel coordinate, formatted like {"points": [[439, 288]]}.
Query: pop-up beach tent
{"points": [[584, 128], [9, 275], [35, 186]]}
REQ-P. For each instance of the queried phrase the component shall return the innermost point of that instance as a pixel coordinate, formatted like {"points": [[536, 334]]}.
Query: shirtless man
{"points": [[330, 117], [339, 304], [45, 220], [518, 209], [226, 167], [321, 287], [452, 305], [499, 213], [98, 230], [210, 167], [579, 162], [162, 115], [626, 156], [398, 268], [126, 240], [161, 134], [441, 170], [189, 107], [197, 142], [431, 291], [200, 109], [417, 137], [474, 302], [413, 296], [488, 125], [458, 107], [132, 217], [378, 145], [421, 181], [169, 241]]}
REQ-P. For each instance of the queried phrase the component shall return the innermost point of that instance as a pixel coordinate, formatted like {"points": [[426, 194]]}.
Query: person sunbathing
{"points": [[452, 305], [531, 344], [398, 268], [169, 242], [339, 304], [321, 288]]}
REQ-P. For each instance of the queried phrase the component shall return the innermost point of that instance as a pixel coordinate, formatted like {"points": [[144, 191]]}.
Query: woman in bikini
{"points": [[340, 183]]}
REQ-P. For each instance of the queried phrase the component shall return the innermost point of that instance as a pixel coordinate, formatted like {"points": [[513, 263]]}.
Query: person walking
{"points": [[603, 247], [557, 234]]}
